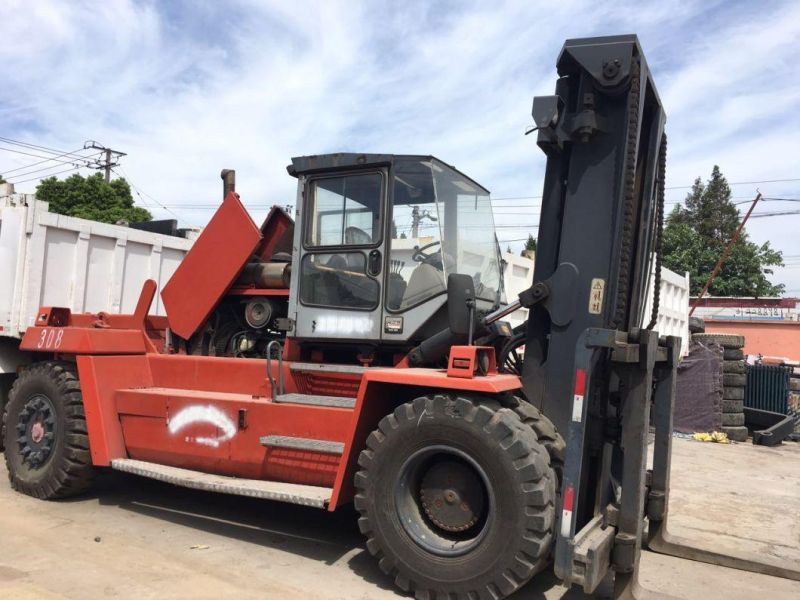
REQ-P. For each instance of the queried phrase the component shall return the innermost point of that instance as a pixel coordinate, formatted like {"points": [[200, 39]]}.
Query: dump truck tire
{"points": [[734, 366], [732, 419], [732, 353], [44, 428], [734, 379], [737, 434], [732, 406], [726, 340], [733, 393], [697, 325], [434, 519]]}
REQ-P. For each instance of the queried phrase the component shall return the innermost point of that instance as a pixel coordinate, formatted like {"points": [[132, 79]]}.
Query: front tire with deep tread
{"points": [[516, 538], [66, 468], [545, 431]]}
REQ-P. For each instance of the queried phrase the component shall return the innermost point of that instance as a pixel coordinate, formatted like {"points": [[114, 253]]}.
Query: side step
{"points": [[328, 368], [316, 400], [296, 443], [306, 495]]}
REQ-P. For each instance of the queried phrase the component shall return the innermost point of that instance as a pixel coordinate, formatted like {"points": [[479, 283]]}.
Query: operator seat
{"points": [[425, 281]]}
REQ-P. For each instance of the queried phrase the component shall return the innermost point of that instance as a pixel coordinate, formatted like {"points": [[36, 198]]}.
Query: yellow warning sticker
{"points": [[596, 296]]}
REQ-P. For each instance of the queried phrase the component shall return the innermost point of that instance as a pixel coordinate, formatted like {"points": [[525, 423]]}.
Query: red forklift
{"points": [[359, 354]]}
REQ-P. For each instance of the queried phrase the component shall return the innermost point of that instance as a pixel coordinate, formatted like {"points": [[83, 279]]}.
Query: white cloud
{"points": [[187, 89]]}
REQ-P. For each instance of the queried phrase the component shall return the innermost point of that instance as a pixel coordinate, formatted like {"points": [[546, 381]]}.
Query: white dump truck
{"points": [[47, 259]]}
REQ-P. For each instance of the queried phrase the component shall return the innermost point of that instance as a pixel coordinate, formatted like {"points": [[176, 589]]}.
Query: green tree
{"points": [[530, 245], [2, 179], [696, 235], [91, 198]]}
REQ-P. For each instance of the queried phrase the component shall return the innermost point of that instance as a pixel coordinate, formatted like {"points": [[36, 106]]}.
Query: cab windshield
{"points": [[442, 223]]}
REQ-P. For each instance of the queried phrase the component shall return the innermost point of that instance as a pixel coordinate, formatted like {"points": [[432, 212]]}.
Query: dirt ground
{"points": [[136, 538]]}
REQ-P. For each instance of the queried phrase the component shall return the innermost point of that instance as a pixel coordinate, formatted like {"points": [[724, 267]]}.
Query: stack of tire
{"points": [[734, 379], [794, 402]]}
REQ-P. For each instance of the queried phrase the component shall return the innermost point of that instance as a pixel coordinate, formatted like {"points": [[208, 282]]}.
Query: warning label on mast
{"points": [[596, 296]]}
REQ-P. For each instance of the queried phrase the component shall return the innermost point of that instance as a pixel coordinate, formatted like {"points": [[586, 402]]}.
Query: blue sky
{"points": [[187, 88]]}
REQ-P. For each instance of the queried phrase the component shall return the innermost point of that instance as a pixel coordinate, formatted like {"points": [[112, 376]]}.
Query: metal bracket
{"points": [[276, 390], [556, 293], [592, 554], [284, 324]]}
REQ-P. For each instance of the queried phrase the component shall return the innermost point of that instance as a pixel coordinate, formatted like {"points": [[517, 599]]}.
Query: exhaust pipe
{"points": [[228, 182]]}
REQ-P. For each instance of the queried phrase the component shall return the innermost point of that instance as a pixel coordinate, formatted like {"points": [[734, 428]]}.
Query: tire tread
{"points": [[74, 474]]}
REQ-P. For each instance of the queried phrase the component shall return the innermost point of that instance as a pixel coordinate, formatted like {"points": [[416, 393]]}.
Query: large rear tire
{"points": [[44, 430], [457, 498]]}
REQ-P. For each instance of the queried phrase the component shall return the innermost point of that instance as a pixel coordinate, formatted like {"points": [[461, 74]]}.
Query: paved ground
{"points": [[133, 539]]}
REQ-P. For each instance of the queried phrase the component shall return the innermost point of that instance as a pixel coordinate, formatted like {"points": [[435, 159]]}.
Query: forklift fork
{"points": [[658, 537], [604, 554]]}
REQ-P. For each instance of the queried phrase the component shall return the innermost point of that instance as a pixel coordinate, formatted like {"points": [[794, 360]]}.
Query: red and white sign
{"points": [[580, 390]]}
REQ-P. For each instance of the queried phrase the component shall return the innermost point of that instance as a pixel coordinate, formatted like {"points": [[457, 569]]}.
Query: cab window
{"points": [[338, 280], [345, 211]]}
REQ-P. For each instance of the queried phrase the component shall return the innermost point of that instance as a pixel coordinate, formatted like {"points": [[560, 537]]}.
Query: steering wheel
{"points": [[420, 255]]}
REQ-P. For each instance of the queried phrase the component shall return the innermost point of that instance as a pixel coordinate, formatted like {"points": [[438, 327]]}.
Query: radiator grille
{"points": [[768, 388], [327, 384]]}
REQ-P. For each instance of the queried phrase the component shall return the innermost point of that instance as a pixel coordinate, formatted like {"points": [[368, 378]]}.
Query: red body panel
{"points": [[83, 340], [213, 439], [101, 377], [58, 331], [208, 414], [210, 267], [277, 230]]}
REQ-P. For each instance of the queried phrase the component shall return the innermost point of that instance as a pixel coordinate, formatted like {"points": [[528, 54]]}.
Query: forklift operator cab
{"points": [[378, 237]]}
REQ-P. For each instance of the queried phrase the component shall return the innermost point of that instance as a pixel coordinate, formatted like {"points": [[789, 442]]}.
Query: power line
{"points": [[683, 187], [91, 161], [43, 169], [513, 240], [37, 147], [147, 204], [46, 160], [674, 187], [66, 162], [519, 198], [50, 175], [499, 210], [139, 191], [779, 213]]}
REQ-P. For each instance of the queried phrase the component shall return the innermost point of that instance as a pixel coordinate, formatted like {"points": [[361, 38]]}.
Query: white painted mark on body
{"points": [[343, 325], [209, 415]]}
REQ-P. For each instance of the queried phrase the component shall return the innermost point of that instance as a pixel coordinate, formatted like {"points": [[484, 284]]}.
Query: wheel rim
{"points": [[444, 501], [36, 429]]}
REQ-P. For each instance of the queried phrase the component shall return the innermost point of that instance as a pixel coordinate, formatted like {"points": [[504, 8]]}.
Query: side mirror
{"points": [[460, 303]]}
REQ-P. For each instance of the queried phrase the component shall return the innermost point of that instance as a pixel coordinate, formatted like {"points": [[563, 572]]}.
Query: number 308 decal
{"points": [[50, 338]]}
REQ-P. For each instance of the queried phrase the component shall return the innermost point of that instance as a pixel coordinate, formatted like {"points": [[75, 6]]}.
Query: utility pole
{"points": [[111, 158]]}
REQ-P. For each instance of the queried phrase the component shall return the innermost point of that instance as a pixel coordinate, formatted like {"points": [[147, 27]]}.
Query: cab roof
{"points": [[320, 163]]}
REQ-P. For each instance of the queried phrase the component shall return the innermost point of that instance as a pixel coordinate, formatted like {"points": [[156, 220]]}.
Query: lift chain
{"points": [[628, 221], [659, 241]]}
